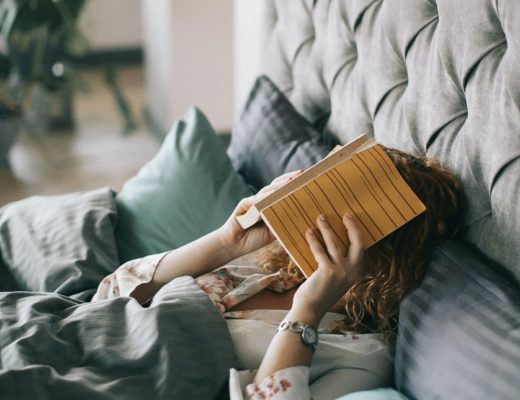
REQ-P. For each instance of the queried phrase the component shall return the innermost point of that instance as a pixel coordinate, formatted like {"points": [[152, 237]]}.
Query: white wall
{"points": [[159, 62], [189, 59], [110, 24], [249, 40]]}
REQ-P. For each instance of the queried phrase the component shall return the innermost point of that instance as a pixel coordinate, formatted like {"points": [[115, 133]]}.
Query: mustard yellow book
{"points": [[359, 179]]}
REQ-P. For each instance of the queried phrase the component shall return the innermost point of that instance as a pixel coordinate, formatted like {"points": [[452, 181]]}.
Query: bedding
{"points": [[271, 138], [343, 362], [63, 244], [56, 347]]}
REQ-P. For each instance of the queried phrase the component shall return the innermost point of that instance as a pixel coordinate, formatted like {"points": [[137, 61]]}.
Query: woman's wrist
{"points": [[306, 315], [229, 244]]}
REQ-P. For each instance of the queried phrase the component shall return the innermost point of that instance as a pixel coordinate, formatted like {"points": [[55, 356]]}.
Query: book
{"points": [[358, 178]]}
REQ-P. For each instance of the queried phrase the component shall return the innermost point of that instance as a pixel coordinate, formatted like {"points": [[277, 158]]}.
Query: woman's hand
{"points": [[257, 236], [339, 267]]}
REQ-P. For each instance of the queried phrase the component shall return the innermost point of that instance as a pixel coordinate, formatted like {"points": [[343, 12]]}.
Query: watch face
{"points": [[310, 335]]}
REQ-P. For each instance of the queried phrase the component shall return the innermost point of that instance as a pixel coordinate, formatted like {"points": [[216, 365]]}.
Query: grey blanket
{"points": [[55, 347]]}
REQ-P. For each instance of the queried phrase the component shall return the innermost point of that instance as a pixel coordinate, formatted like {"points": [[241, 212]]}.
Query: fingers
{"points": [[335, 247], [244, 205], [319, 253], [356, 248]]}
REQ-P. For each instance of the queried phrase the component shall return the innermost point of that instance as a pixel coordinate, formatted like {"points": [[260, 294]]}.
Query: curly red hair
{"points": [[397, 263]]}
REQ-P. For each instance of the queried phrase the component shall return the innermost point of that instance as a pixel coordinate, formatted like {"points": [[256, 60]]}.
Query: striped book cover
{"points": [[364, 183]]}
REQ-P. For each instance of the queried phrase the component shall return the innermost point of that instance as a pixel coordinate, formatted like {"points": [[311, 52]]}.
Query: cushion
{"points": [[459, 332], [7, 281], [187, 190], [271, 138], [374, 394], [63, 244]]}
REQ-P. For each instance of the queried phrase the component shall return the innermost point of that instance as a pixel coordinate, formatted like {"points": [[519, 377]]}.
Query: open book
{"points": [[358, 178]]}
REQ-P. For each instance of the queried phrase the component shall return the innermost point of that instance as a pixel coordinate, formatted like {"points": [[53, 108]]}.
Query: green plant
{"points": [[40, 25], [38, 38]]}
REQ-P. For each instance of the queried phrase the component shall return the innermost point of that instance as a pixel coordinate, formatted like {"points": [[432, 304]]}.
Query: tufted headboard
{"points": [[435, 77]]}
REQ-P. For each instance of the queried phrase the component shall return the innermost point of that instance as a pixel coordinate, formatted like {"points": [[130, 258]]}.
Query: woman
{"points": [[353, 298]]}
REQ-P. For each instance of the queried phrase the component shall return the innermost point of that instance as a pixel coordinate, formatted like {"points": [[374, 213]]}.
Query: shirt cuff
{"points": [[286, 384], [124, 280]]}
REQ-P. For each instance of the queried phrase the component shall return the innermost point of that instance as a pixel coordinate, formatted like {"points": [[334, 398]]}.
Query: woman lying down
{"points": [[323, 337]]}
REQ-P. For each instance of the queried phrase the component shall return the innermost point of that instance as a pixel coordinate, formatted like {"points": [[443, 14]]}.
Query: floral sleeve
{"points": [[127, 277], [286, 384]]}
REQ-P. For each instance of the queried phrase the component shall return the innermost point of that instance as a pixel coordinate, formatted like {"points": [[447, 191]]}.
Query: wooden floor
{"points": [[95, 154]]}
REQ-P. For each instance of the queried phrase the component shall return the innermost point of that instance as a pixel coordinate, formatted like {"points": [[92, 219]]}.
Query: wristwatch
{"points": [[308, 333]]}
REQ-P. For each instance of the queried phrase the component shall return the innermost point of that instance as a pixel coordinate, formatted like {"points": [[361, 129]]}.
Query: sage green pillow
{"points": [[187, 190]]}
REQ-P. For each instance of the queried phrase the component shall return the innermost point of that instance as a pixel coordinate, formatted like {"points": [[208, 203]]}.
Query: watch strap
{"points": [[300, 328]]}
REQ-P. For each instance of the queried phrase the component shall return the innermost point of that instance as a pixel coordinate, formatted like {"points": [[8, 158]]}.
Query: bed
{"points": [[434, 77], [440, 78]]}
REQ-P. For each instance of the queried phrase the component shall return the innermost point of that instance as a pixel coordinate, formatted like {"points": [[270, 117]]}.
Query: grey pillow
{"points": [[459, 331], [271, 137], [63, 244], [7, 281]]}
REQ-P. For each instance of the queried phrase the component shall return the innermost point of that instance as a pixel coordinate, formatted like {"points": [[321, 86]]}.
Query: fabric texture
{"points": [[343, 362], [437, 77], [63, 244], [187, 190], [54, 347], [7, 281], [229, 285], [286, 384], [271, 138], [459, 332], [376, 394], [130, 275]]}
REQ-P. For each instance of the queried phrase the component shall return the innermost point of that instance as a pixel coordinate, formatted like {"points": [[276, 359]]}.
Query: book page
{"points": [[367, 186]]}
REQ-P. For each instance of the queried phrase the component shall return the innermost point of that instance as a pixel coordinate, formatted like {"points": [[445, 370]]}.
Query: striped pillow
{"points": [[271, 137], [459, 332]]}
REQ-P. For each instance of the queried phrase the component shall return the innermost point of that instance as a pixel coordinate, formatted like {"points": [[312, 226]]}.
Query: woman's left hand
{"points": [[257, 236], [339, 267]]}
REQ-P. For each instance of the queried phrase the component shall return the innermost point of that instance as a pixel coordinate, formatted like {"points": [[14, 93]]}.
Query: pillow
{"points": [[375, 394], [7, 281], [187, 190], [459, 331], [63, 244], [271, 137]]}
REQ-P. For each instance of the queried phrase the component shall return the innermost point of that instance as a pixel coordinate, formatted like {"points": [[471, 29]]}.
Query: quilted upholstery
{"points": [[436, 77]]}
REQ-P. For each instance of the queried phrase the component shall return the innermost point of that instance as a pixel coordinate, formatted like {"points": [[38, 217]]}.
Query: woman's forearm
{"points": [[195, 258], [287, 348]]}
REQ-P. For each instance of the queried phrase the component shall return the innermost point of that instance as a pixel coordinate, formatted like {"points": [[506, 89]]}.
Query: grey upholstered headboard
{"points": [[439, 77]]}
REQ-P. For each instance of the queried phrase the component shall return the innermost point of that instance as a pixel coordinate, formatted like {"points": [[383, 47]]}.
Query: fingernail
{"points": [[347, 216], [322, 217], [310, 232]]}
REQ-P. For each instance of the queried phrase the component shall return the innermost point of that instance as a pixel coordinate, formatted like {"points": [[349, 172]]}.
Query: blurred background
{"points": [[88, 88]]}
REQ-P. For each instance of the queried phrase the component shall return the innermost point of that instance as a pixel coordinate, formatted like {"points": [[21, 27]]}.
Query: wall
{"points": [[112, 24], [248, 43], [189, 59]]}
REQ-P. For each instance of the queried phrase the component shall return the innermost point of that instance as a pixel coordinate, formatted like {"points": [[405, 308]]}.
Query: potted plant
{"points": [[39, 37]]}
